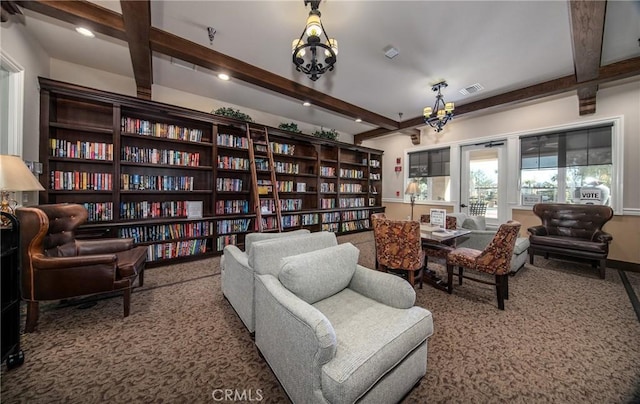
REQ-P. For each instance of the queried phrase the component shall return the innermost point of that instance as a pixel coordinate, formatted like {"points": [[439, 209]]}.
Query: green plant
{"points": [[291, 127], [233, 113], [326, 133]]}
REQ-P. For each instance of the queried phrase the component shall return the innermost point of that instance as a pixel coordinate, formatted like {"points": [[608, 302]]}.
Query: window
{"points": [[430, 169], [574, 166]]}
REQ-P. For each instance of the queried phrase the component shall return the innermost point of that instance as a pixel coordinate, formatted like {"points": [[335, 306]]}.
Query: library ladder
{"points": [[261, 161]]}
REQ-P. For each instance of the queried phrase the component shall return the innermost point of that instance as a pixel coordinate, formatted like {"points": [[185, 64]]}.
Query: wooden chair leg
{"points": [[460, 273], [33, 312], [412, 277], [127, 301], [500, 291], [450, 278], [602, 268], [505, 279], [530, 256], [141, 277]]}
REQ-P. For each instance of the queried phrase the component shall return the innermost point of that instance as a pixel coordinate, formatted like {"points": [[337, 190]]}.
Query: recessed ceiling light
{"points": [[358, 120], [84, 32], [306, 104], [223, 76]]}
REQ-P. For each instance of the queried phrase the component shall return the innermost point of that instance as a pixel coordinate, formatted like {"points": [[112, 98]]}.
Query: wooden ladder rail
{"points": [[272, 176]]}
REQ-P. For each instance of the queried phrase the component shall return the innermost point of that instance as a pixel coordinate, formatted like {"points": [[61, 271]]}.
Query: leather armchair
{"points": [[57, 266], [572, 230]]}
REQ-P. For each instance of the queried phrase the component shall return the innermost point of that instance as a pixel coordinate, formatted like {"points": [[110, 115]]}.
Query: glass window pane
{"points": [[549, 145], [599, 146], [529, 152], [577, 144]]}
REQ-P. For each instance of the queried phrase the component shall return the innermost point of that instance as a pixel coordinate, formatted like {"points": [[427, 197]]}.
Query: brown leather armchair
{"points": [[57, 266], [572, 230]]}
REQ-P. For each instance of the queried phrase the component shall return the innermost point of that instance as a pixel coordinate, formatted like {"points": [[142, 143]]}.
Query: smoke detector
{"points": [[390, 52]]}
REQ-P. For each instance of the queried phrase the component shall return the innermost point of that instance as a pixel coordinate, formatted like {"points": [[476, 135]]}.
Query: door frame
{"points": [[503, 200]]}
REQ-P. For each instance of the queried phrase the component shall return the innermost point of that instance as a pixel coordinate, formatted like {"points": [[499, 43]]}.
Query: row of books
{"points": [[142, 234], [356, 225], [186, 248], [156, 182], [283, 148], [290, 221], [327, 203], [327, 171], [327, 187], [224, 139], [262, 164], [231, 206], [81, 150], [333, 227], [351, 173], [149, 210], [159, 129], [375, 176], [136, 154], [355, 215], [290, 204], [228, 239], [232, 226], [350, 187], [287, 168], [233, 163], [229, 184], [330, 217], [99, 211], [81, 181], [374, 163], [352, 202], [269, 223]]}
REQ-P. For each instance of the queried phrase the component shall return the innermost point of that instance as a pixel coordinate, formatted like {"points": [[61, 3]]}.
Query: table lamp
{"points": [[14, 176], [412, 190]]}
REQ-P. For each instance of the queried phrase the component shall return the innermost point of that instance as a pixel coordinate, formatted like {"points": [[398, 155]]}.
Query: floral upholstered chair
{"points": [[439, 250], [399, 248], [495, 259], [374, 217]]}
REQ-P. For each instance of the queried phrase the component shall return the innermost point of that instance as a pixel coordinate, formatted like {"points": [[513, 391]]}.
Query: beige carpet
{"points": [[566, 336]]}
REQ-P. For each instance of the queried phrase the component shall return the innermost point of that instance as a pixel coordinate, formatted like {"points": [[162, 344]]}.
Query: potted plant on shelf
{"points": [[291, 127], [326, 133], [232, 113]]}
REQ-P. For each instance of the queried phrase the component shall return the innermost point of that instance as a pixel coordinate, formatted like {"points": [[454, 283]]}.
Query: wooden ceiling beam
{"points": [[89, 15], [177, 47], [615, 71], [587, 32], [110, 23], [137, 22]]}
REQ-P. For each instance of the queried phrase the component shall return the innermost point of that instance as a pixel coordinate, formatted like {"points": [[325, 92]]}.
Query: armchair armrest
{"points": [[383, 287], [602, 236], [234, 257], [299, 324], [537, 230], [103, 246], [40, 261]]}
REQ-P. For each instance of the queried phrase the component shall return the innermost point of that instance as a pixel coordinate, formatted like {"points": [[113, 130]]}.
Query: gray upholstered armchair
{"points": [[237, 275], [333, 331]]}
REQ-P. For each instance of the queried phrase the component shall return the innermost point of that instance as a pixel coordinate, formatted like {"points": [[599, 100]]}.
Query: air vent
{"points": [[183, 64], [474, 88]]}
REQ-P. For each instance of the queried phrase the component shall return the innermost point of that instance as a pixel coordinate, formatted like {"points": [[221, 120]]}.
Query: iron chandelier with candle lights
{"points": [[308, 55], [442, 112]]}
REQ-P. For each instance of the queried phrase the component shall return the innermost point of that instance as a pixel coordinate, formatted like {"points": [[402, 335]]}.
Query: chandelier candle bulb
{"points": [[314, 28]]}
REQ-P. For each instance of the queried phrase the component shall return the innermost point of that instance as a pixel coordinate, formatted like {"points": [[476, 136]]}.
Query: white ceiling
{"points": [[502, 45]]}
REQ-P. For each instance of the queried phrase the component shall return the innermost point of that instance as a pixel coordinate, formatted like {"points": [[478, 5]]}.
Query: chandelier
{"points": [[307, 56], [442, 112]]}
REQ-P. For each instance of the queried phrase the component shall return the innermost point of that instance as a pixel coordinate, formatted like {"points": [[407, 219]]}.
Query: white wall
{"points": [[615, 100], [34, 60]]}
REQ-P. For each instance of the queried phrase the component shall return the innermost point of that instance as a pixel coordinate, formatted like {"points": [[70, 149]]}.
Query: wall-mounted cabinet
{"points": [[186, 183]]}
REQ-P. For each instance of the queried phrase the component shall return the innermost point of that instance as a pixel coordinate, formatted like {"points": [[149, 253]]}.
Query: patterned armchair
{"points": [[374, 217], [495, 259], [399, 248]]}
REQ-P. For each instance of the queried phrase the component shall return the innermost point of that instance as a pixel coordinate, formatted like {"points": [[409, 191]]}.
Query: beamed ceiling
{"points": [[517, 50]]}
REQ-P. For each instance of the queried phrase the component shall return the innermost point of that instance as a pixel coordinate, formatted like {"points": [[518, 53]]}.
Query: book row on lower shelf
{"points": [[161, 232], [177, 249]]}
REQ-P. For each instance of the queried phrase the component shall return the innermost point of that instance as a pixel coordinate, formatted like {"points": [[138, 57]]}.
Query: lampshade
{"points": [[16, 176], [412, 188]]}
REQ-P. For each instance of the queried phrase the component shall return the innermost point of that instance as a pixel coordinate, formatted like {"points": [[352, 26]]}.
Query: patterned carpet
{"points": [[566, 336]]}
